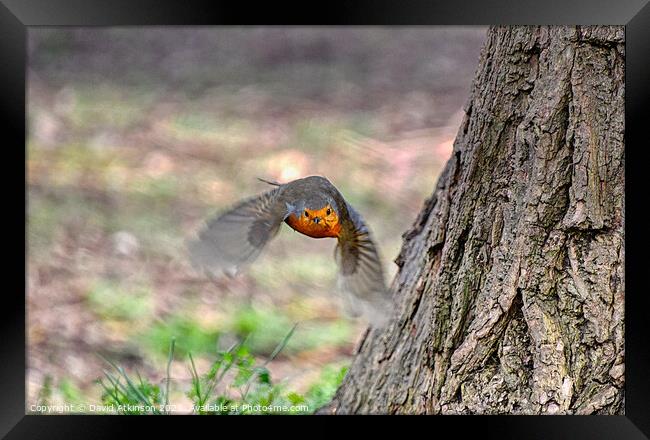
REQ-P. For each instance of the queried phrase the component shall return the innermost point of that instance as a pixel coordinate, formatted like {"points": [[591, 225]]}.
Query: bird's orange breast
{"points": [[316, 223]]}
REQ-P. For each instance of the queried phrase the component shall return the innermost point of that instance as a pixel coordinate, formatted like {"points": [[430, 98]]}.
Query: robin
{"points": [[315, 208]]}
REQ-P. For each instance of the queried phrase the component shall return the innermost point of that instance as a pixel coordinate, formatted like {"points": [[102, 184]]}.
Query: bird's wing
{"points": [[235, 238], [361, 276]]}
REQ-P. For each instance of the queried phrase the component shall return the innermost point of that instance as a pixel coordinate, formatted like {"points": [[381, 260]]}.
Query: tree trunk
{"points": [[510, 292]]}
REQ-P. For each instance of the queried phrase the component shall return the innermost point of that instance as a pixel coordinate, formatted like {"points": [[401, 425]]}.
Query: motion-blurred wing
{"points": [[361, 276], [234, 239]]}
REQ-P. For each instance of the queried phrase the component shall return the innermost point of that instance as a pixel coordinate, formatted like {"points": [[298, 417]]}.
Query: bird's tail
{"points": [[377, 310], [269, 182]]}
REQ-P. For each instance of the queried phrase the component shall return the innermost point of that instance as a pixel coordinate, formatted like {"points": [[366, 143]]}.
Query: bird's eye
{"points": [[306, 214], [329, 211]]}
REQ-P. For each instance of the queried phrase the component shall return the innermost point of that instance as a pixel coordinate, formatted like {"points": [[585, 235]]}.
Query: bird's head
{"points": [[317, 217]]}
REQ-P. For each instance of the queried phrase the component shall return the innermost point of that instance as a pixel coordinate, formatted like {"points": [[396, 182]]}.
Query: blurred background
{"points": [[136, 136]]}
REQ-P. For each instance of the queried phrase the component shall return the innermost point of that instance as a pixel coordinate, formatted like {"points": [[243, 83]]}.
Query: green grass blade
{"points": [[274, 354], [169, 364]]}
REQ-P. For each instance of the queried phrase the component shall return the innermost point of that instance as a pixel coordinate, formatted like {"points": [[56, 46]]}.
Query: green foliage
{"points": [[264, 326], [235, 383], [70, 392], [110, 301], [128, 396], [190, 336], [250, 389], [321, 392], [45, 393]]}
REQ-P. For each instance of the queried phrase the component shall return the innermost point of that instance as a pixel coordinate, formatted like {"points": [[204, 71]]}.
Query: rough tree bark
{"points": [[510, 292]]}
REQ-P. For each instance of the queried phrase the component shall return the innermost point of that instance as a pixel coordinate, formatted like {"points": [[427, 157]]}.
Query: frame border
{"points": [[17, 15]]}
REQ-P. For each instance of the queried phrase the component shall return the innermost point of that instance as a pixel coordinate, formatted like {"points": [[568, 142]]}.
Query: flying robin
{"points": [[315, 208]]}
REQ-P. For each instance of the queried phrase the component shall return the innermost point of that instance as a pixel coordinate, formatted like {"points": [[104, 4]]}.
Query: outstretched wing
{"points": [[235, 238], [361, 276]]}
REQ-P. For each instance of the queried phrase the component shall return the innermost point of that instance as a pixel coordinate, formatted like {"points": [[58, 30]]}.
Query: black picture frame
{"points": [[17, 15]]}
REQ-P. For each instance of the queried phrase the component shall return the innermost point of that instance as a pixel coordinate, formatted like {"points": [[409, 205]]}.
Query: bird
{"points": [[313, 206]]}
